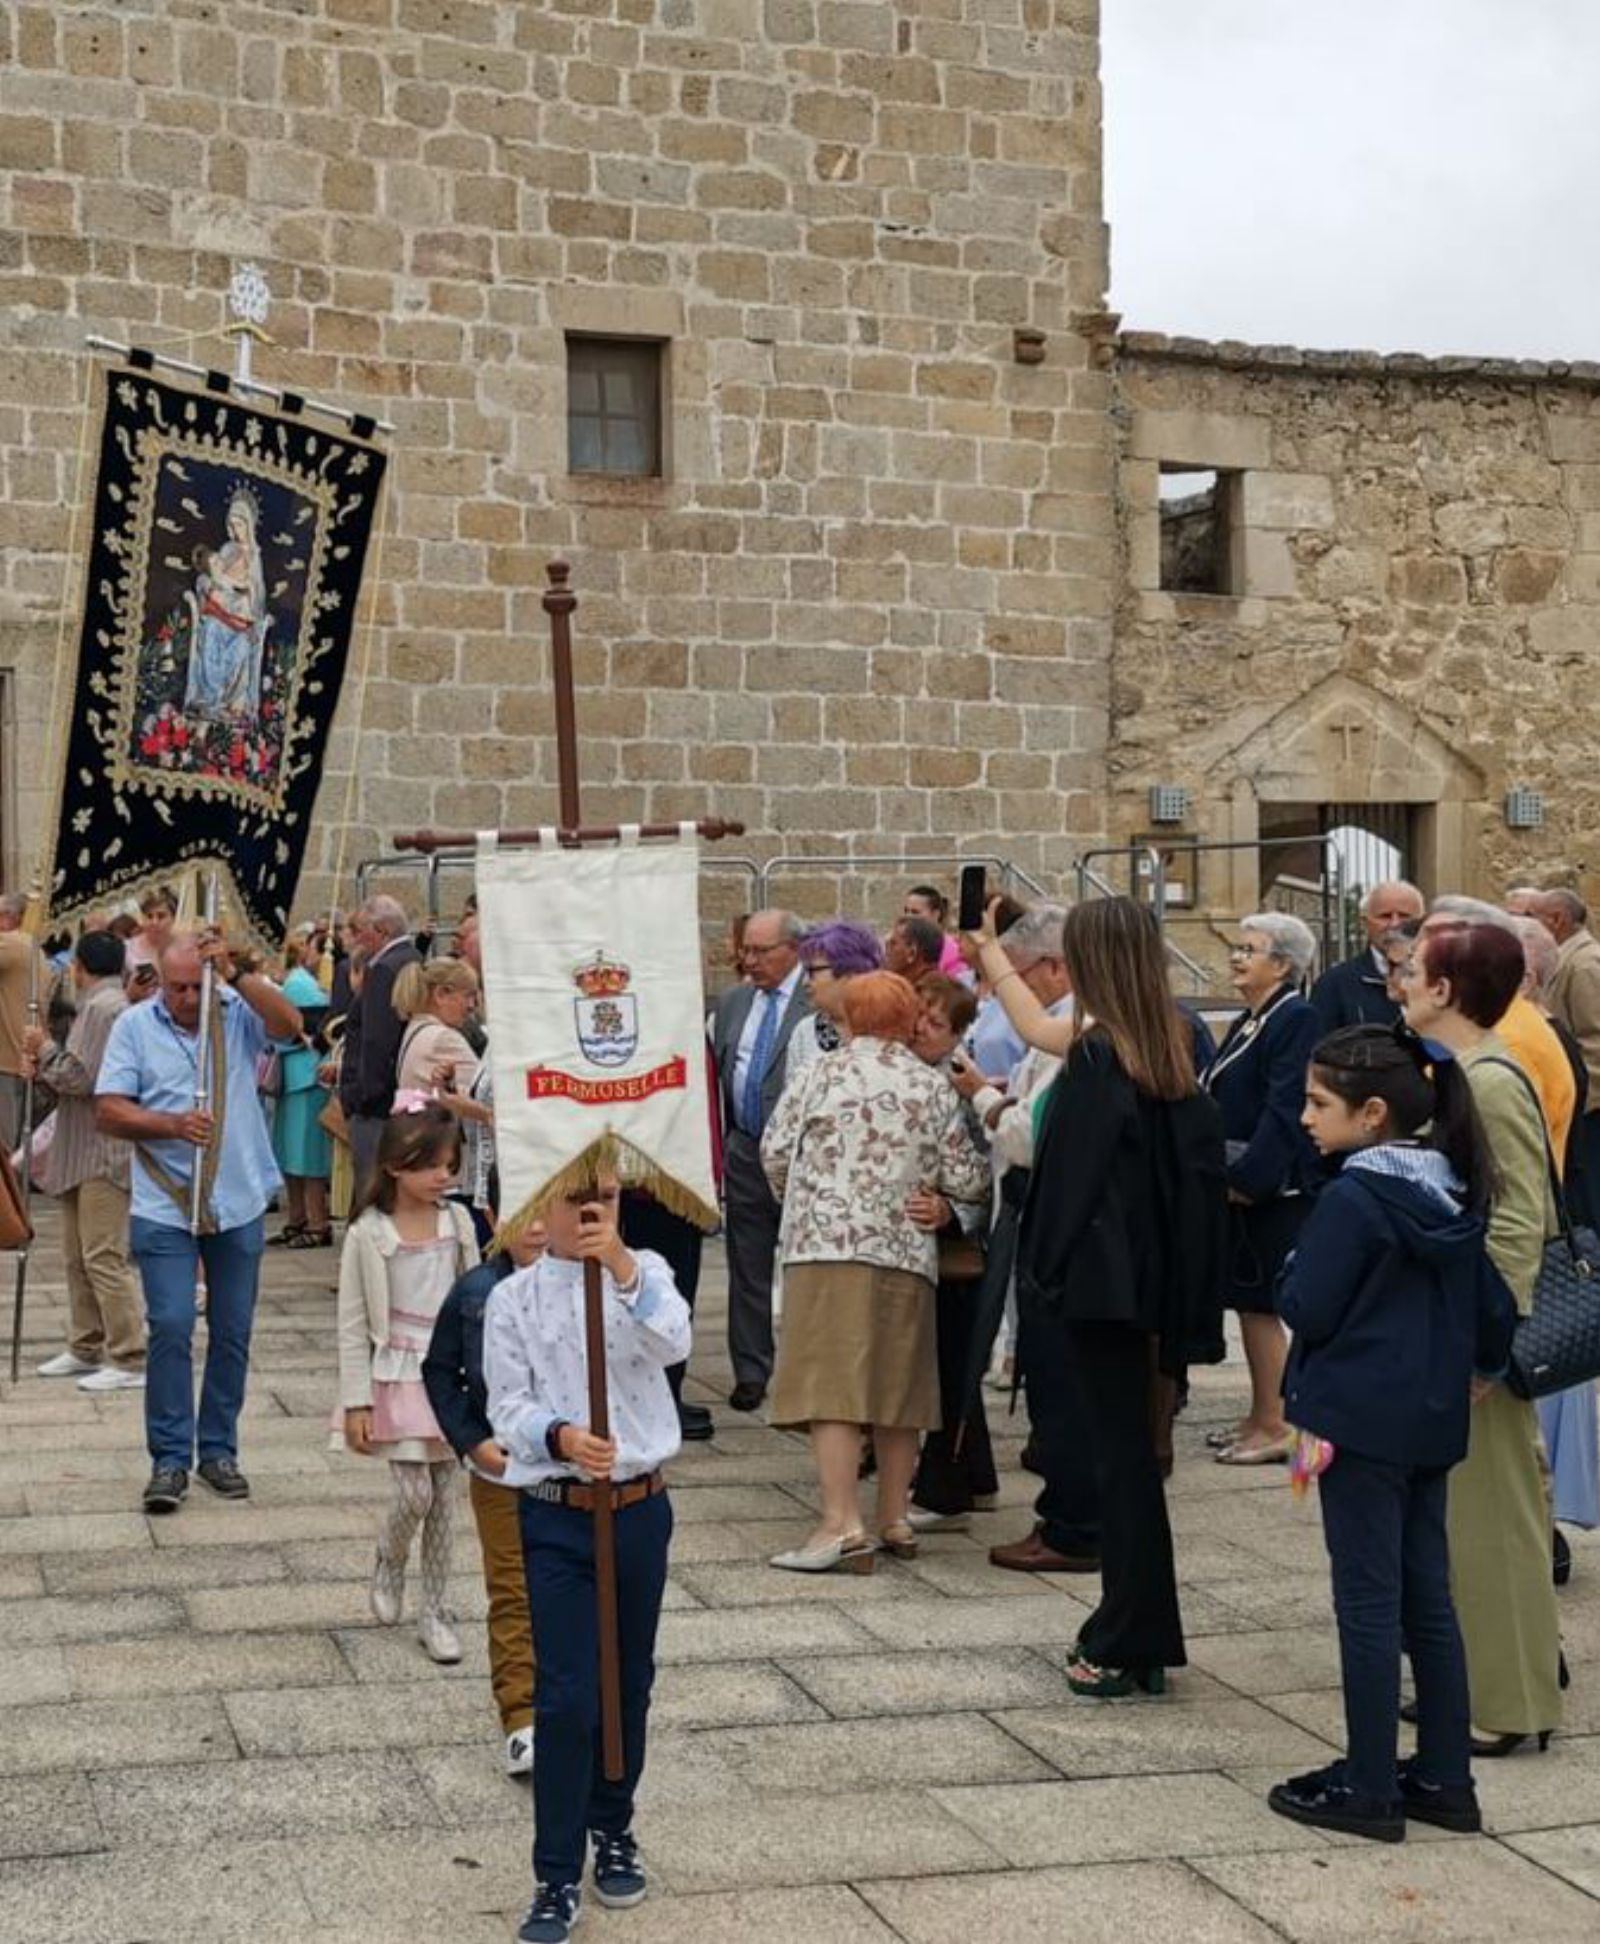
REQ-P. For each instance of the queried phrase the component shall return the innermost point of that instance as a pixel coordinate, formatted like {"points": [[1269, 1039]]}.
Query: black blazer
{"points": [[1258, 1079], [1126, 1217], [1353, 994], [372, 1036], [452, 1371], [727, 1029]]}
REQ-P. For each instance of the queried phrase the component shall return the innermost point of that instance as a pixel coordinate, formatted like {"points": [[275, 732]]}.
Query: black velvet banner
{"points": [[223, 578]]}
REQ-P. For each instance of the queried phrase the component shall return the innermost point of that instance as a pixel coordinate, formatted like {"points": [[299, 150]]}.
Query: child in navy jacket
{"points": [[1396, 1310]]}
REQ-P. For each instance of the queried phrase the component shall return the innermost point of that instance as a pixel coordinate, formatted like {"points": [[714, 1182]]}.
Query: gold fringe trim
{"points": [[610, 1154]]}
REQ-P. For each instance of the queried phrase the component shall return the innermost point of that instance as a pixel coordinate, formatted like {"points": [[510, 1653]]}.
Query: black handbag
{"points": [[1557, 1344]]}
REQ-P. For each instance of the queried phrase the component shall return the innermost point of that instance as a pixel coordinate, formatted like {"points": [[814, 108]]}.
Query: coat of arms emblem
{"points": [[608, 1013]]}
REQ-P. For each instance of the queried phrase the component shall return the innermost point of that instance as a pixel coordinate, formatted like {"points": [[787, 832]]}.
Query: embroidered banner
{"points": [[596, 1008], [223, 578]]}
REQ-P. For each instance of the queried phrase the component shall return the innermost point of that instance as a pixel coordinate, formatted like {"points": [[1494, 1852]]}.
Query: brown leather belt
{"points": [[581, 1497]]}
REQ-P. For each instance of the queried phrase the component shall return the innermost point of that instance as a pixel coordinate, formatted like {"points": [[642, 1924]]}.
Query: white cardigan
{"points": [[370, 1241]]}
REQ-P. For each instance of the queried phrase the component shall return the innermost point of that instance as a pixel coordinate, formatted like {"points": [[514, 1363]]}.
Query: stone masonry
{"points": [[869, 599], [1414, 614]]}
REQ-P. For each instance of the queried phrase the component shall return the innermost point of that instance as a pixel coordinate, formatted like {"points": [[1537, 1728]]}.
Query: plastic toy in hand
{"points": [[1309, 1457]]}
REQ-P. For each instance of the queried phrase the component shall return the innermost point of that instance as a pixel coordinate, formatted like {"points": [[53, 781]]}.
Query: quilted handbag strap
{"points": [[1557, 1191]]}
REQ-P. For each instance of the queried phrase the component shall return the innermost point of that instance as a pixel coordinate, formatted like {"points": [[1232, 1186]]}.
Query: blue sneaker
{"points": [[619, 1882], [553, 1914]]}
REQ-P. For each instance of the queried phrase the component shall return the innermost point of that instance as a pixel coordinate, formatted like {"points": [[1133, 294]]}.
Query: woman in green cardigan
{"points": [[1459, 982]]}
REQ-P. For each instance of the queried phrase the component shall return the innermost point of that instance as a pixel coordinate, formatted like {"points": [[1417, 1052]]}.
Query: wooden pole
{"points": [[570, 837], [559, 602], [204, 1079]]}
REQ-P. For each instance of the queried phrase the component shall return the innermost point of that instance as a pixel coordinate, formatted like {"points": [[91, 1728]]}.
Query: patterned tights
{"points": [[424, 1495]]}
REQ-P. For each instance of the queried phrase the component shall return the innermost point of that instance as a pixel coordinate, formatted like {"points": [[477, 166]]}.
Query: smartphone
{"points": [[974, 897]]}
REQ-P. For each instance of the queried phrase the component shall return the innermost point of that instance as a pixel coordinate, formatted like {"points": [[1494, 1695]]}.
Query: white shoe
{"points": [[519, 1752], [920, 1519], [66, 1365], [440, 1641], [109, 1378]]}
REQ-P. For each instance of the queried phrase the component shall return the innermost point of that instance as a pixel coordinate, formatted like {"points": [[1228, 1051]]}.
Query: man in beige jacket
{"points": [[24, 975], [90, 1172]]}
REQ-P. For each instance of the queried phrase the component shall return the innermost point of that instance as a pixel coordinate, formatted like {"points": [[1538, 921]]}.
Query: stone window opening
{"points": [[614, 406], [1199, 530]]}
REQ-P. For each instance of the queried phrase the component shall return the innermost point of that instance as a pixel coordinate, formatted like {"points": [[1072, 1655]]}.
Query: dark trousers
{"points": [[646, 1224], [948, 1480], [571, 1795], [1136, 1623], [1583, 1168], [752, 1215], [1385, 1528], [1068, 1506]]}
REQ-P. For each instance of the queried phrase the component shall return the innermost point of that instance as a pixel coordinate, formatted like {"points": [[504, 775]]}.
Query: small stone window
{"points": [[1198, 529], [614, 406]]}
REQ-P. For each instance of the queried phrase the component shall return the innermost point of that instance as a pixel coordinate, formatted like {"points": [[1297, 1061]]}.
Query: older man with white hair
{"points": [[374, 1029], [1355, 993]]}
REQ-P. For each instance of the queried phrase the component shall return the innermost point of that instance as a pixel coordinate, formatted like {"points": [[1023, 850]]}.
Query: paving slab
{"points": [[30, 1674], [262, 1797], [60, 1619], [412, 1883], [910, 1751], [768, 1841], [1136, 1817], [1573, 1854], [166, 1570], [330, 1720], [718, 1694], [1286, 1661], [20, 1578], [758, 1584], [1158, 1903], [1046, 1618], [190, 1664], [1086, 1738], [67, 1532], [817, 1914], [760, 1633], [1468, 1891], [388, 1656], [952, 1681], [219, 1524], [47, 1815], [223, 1893], [93, 1734]]}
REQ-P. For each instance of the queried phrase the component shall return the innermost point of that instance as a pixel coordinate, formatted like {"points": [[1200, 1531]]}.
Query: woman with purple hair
{"points": [[832, 954]]}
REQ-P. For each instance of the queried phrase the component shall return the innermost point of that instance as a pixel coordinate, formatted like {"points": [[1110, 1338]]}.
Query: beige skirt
{"points": [[858, 1346]]}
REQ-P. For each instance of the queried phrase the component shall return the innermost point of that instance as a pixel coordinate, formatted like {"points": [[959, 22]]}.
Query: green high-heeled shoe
{"points": [[1112, 1683]]}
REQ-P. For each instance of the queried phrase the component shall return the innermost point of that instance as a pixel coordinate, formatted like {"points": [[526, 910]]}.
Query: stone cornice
{"points": [[1231, 354]]}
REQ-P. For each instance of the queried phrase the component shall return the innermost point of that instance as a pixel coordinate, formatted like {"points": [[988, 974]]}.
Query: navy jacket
{"points": [[1259, 1082], [1353, 994], [452, 1371], [1394, 1304]]}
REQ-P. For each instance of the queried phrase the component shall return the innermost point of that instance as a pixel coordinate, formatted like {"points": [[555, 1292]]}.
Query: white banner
{"points": [[595, 999]]}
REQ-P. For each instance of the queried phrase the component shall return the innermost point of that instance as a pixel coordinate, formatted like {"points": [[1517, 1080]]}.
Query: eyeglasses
{"points": [[815, 969], [761, 951], [1242, 950]]}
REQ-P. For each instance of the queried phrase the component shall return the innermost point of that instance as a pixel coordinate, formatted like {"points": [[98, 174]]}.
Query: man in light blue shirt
{"points": [[146, 1095]]}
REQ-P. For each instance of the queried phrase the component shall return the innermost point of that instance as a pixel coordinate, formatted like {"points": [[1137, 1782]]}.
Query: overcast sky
{"points": [[1395, 175]]}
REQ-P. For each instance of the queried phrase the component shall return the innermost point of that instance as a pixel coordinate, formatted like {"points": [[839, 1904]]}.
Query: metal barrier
{"points": [[902, 866]]}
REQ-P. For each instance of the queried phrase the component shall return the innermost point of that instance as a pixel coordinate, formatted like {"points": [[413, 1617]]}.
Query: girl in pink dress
{"points": [[405, 1247]]}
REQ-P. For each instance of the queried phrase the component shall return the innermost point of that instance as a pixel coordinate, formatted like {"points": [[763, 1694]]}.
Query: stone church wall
{"points": [[1413, 612], [869, 602]]}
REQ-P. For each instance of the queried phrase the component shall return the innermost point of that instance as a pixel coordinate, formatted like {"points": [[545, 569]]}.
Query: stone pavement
{"points": [[203, 1735]]}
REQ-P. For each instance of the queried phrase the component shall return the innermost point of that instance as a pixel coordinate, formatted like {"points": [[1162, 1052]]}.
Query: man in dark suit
{"points": [[750, 1033], [1354, 992], [372, 1036]]}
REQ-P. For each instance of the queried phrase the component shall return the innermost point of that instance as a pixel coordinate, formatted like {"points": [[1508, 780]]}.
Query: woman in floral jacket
{"points": [[867, 1151]]}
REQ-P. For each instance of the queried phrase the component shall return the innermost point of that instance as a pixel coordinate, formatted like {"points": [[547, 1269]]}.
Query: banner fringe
{"points": [[610, 1154]]}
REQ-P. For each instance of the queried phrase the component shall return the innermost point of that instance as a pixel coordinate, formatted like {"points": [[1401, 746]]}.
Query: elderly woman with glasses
{"points": [[831, 955], [1258, 1079]]}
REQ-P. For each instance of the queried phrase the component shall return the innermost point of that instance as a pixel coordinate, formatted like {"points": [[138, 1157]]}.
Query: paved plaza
{"points": [[205, 1736]]}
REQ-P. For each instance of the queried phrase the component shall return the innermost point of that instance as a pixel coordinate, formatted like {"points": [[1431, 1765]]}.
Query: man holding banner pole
{"points": [[146, 1094]]}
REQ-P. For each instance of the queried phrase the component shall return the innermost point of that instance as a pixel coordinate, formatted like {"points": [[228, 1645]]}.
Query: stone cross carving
{"points": [[1348, 727]]}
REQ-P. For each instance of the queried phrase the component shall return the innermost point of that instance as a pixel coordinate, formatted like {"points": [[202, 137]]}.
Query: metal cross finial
{"points": [[248, 299]]}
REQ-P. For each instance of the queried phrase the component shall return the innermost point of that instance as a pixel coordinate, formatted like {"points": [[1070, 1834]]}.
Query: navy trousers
{"points": [[1385, 1530], [1068, 1505], [570, 1793]]}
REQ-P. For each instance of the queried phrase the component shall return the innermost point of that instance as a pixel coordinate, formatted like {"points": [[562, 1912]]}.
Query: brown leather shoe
{"points": [[1032, 1555]]}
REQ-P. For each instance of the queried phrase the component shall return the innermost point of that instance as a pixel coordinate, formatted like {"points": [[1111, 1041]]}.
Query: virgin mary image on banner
{"points": [[228, 621]]}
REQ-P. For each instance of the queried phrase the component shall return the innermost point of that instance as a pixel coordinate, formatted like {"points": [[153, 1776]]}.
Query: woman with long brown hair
{"points": [[1123, 1237]]}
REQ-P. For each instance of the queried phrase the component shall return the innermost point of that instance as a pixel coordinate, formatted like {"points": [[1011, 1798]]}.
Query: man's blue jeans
{"points": [[169, 1261]]}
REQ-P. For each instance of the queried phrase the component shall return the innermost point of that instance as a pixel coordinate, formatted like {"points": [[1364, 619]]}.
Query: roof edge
{"points": [[1232, 354]]}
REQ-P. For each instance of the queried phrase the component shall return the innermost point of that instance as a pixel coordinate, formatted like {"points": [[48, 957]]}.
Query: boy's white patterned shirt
{"points": [[536, 1370]]}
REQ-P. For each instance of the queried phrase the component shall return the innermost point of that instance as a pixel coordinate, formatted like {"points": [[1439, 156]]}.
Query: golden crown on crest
{"points": [[601, 978]]}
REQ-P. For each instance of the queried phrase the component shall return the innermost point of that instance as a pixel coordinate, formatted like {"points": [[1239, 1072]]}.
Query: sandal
{"points": [[309, 1238], [899, 1540], [1274, 1453], [288, 1237], [1112, 1683]]}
